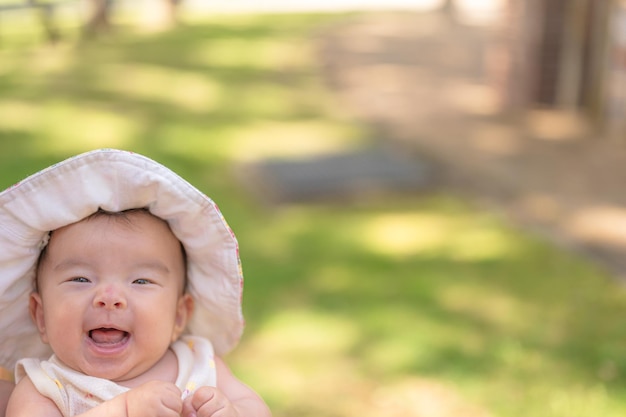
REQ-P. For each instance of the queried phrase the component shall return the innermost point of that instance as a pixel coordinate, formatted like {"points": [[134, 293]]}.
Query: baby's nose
{"points": [[110, 297]]}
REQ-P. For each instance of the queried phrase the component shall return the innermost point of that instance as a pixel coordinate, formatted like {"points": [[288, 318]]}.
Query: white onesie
{"points": [[74, 392]]}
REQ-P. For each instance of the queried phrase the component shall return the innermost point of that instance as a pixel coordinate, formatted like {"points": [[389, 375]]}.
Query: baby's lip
{"points": [[108, 335]]}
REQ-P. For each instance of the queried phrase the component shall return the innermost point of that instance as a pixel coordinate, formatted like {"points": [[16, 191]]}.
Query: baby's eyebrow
{"points": [[70, 263], [153, 265]]}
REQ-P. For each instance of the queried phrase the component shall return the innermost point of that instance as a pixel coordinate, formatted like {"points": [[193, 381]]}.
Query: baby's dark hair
{"points": [[121, 216]]}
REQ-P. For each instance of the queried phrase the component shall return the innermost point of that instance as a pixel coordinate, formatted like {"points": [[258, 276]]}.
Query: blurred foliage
{"points": [[412, 305]]}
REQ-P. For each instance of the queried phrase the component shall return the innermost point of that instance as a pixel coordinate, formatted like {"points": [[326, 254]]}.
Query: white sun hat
{"points": [[115, 180]]}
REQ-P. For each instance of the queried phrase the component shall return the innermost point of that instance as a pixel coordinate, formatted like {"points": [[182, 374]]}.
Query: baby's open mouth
{"points": [[107, 336]]}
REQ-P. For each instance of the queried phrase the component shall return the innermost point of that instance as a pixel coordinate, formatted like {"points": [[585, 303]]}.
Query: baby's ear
{"points": [[184, 310], [35, 308]]}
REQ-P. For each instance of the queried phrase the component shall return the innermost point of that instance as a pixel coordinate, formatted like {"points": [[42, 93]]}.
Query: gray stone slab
{"points": [[344, 176]]}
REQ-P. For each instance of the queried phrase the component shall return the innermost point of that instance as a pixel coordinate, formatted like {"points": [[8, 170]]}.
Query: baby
{"points": [[131, 277], [6, 387]]}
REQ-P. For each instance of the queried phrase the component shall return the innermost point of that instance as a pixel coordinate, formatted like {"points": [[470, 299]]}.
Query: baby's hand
{"points": [[154, 399], [208, 402]]}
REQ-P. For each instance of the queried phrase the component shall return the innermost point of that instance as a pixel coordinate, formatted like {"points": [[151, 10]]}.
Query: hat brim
{"points": [[115, 180]]}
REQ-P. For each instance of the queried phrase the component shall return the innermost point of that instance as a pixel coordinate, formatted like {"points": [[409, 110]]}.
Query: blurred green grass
{"points": [[362, 309]]}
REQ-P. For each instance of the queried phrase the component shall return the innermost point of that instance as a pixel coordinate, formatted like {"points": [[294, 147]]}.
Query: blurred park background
{"points": [[428, 195]]}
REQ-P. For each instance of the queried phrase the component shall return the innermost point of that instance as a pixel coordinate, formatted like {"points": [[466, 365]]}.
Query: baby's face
{"points": [[111, 295]]}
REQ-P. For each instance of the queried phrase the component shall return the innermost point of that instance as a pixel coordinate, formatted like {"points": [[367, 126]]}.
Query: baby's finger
{"points": [[165, 394], [188, 409], [209, 401], [202, 396]]}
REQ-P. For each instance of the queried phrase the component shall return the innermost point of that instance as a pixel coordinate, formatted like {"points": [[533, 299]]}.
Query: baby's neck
{"points": [[165, 369]]}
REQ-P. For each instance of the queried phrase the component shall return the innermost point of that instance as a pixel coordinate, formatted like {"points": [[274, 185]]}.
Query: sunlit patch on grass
{"points": [[580, 402], [71, 128], [273, 238], [266, 99], [395, 354], [45, 60], [191, 141], [404, 234], [405, 338], [262, 53], [306, 352], [302, 139], [24, 27], [480, 242], [420, 397], [306, 333], [189, 91], [18, 115], [487, 304]]}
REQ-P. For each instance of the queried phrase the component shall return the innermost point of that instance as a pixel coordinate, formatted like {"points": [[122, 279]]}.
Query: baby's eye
{"points": [[142, 281], [79, 279]]}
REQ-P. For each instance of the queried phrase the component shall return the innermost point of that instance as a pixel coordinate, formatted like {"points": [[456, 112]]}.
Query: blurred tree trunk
{"points": [[99, 17], [448, 9], [46, 15], [173, 8], [161, 15]]}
